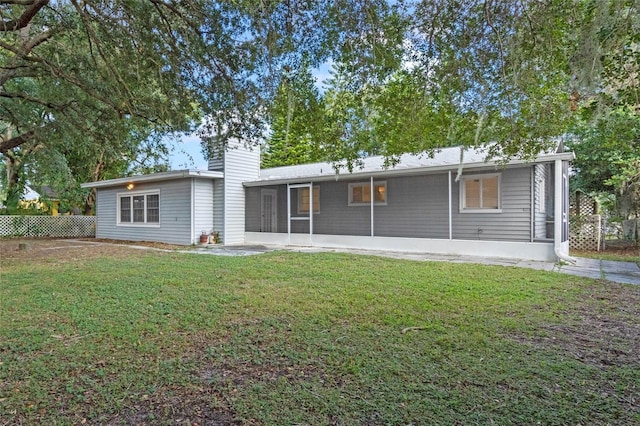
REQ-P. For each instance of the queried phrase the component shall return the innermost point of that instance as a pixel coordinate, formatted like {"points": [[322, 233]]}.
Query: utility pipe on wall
{"points": [[371, 202], [450, 210]]}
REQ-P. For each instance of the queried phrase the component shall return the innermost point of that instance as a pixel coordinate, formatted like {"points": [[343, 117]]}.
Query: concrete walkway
{"points": [[620, 272]]}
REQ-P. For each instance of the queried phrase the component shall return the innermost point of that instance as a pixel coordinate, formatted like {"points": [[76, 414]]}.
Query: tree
{"points": [[76, 76], [606, 139], [608, 160], [513, 74], [66, 65], [296, 120]]}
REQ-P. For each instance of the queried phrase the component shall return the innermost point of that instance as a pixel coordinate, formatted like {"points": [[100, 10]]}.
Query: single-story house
{"points": [[450, 203]]}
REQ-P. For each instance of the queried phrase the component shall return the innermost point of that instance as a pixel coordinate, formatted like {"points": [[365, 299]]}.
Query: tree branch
{"points": [[50, 105], [18, 2], [37, 40], [25, 18], [7, 73], [8, 144]]}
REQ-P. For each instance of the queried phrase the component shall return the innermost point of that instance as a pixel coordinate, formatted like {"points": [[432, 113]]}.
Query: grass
{"points": [[291, 338], [617, 250]]}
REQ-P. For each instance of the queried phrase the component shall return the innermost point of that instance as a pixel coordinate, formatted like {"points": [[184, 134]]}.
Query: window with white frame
{"points": [[360, 193], [139, 208], [480, 193], [303, 199]]}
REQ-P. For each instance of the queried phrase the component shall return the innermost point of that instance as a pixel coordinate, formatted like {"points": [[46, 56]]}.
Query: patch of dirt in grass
{"points": [[602, 329], [66, 250], [258, 360], [189, 406], [150, 244]]}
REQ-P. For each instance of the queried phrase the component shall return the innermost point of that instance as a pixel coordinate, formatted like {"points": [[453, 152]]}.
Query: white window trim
{"points": [[132, 194], [302, 211], [351, 203], [463, 209]]}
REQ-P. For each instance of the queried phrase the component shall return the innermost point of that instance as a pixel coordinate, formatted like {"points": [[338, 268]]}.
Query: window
{"points": [[360, 193], [303, 200], [139, 208], [125, 209], [480, 194]]}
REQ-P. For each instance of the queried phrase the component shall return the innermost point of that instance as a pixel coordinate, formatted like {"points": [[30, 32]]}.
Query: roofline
{"points": [[565, 156], [155, 177]]}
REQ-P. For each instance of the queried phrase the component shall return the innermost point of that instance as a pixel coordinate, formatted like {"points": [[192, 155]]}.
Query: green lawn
{"points": [[291, 338]]}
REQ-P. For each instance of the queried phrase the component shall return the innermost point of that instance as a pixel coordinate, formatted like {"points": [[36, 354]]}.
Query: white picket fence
{"points": [[47, 226]]}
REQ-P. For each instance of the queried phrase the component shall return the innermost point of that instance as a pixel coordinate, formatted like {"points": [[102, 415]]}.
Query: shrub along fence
{"points": [[47, 226]]}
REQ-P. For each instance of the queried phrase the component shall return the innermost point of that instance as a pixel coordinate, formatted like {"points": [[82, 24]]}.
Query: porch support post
{"points": [[532, 209], [558, 213], [371, 202], [194, 239], [289, 213], [450, 210], [557, 204]]}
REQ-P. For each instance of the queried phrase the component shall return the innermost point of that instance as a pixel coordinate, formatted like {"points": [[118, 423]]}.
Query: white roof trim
{"points": [[443, 160], [155, 177]]}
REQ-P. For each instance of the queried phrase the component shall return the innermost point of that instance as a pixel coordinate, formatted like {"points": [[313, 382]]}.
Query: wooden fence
{"points": [[47, 226], [585, 224]]}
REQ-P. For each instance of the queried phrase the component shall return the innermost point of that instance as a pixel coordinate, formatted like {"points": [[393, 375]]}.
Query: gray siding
{"points": [[336, 217], [417, 206], [512, 224], [216, 162], [203, 206], [175, 214]]}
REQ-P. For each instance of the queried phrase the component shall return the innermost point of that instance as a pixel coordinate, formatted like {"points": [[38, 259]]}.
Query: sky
{"points": [[187, 154]]}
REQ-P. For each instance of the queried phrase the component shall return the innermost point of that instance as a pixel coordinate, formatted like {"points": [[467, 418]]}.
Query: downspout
{"points": [[557, 213], [289, 213], [450, 210], [371, 201], [193, 216], [311, 213]]}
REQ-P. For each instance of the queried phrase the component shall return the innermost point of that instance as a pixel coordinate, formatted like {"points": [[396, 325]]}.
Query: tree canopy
{"points": [[408, 76]]}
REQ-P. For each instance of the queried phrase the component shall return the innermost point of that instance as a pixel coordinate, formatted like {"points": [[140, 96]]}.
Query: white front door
{"points": [[268, 210]]}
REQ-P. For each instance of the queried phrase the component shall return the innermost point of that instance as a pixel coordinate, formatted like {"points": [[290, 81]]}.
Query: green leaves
{"points": [[296, 121], [608, 159]]}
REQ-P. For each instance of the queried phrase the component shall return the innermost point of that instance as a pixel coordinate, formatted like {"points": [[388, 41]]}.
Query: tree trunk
{"points": [[14, 187]]}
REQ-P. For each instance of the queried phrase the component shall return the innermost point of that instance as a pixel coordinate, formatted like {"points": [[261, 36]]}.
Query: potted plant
{"points": [[204, 238]]}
